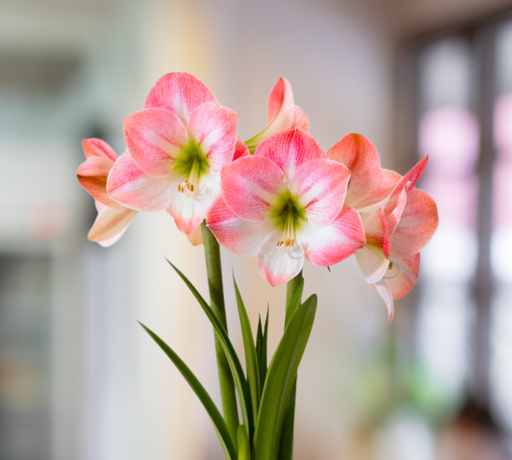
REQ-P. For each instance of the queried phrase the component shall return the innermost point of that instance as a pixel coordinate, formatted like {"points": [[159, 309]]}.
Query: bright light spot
{"points": [[451, 255], [501, 255]]}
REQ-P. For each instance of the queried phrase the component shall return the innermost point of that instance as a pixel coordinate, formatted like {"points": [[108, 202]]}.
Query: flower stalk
{"points": [[215, 286]]}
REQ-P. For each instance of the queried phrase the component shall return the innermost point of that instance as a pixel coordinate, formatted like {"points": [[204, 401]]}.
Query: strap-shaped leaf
{"points": [[280, 381], [218, 422], [294, 301], [243, 444], [234, 362], [251, 358]]}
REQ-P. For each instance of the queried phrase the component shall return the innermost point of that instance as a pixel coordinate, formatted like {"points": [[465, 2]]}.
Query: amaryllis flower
{"points": [[113, 218], [286, 203], [282, 114], [398, 219], [177, 147]]}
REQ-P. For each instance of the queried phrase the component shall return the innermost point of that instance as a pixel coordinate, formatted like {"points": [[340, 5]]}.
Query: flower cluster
{"points": [[278, 196]]}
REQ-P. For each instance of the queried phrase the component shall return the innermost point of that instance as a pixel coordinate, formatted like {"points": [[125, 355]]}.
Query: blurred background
{"points": [[78, 377]]}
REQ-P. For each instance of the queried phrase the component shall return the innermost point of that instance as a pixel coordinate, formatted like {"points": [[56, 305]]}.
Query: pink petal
{"points": [[398, 280], [250, 187], [278, 264], [180, 93], [196, 237], [417, 225], [235, 234], [214, 128], [110, 224], [376, 227], [321, 186], [98, 148], [154, 138], [367, 184], [383, 290], [289, 149], [130, 186], [189, 211], [394, 209], [241, 150], [280, 103], [301, 121], [92, 175], [329, 244], [372, 262]]}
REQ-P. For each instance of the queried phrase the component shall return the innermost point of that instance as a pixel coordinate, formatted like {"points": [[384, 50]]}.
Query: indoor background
{"points": [[79, 379]]}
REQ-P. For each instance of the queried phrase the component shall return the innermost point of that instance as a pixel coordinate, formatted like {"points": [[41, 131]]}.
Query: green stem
{"points": [[286, 445], [214, 272]]}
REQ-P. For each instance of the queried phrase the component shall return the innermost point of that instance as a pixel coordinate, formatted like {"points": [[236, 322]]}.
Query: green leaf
{"points": [[280, 380], [234, 362], [294, 290], [251, 357], [220, 425], [243, 444]]}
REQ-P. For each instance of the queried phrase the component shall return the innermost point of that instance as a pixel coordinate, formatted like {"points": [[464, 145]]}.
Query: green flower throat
{"points": [[288, 215], [192, 164]]}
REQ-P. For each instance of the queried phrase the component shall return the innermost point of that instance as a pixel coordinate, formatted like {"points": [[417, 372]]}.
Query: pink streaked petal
{"points": [[279, 264], [189, 211], [407, 183], [329, 244], [130, 186], [394, 209], [402, 274], [376, 227], [241, 150], [280, 101], [289, 149], [250, 187], [196, 237], [361, 157], [214, 129], [372, 262], [301, 121], [98, 148], [417, 225], [383, 290], [237, 235], [320, 186], [92, 175], [180, 93], [111, 224], [154, 138]]}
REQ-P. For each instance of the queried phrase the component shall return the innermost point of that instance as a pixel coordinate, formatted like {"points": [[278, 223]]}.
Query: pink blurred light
{"points": [[503, 124], [450, 135], [47, 218]]}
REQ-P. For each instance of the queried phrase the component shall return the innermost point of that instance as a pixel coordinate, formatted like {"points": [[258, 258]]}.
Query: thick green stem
{"points": [[214, 271], [286, 445]]}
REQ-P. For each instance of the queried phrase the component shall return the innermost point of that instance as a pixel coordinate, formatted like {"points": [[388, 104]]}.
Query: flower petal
{"points": [[180, 93], [189, 210], [250, 187], [235, 234], [280, 102], [241, 150], [289, 149], [372, 262], [196, 237], [110, 225], [214, 128], [369, 184], [279, 264], [130, 186], [301, 121], [154, 138], [417, 225], [92, 175], [320, 186], [383, 290], [376, 227], [329, 244], [98, 148]]}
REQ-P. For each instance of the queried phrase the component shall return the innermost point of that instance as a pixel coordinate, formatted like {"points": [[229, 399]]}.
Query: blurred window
{"points": [[465, 125]]}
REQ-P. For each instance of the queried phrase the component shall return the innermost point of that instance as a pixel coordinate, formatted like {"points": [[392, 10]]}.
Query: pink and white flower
{"points": [[177, 147], [286, 203], [398, 219], [113, 218], [282, 114]]}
